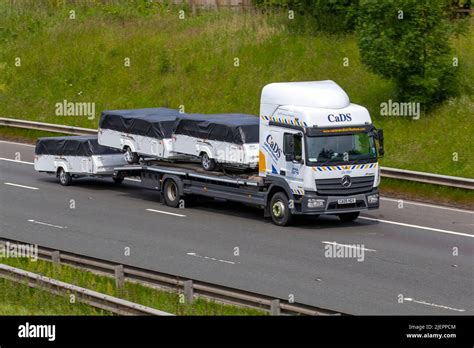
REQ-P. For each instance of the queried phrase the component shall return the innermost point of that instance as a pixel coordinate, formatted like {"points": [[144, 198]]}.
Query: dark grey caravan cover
{"points": [[72, 146], [231, 128], [152, 122]]}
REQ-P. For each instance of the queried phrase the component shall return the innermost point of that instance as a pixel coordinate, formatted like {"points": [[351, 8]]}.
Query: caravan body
{"points": [[77, 155], [145, 132], [229, 139]]}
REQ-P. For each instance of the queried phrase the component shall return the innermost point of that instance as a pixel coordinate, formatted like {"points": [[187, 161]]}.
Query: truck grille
{"points": [[333, 187]]}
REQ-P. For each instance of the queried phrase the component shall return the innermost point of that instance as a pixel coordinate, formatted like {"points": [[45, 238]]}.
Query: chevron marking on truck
{"points": [[346, 167], [295, 121]]}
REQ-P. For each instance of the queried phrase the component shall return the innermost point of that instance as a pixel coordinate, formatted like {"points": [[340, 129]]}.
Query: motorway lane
{"points": [[277, 261], [416, 213]]}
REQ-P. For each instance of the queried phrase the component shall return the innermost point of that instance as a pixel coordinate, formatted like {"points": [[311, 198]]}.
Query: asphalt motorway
{"points": [[418, 258]]}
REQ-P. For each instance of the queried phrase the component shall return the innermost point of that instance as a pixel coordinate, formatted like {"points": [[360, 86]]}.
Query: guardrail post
{"points": [[188, 291], [56, 257], [119, 276], [275, 307]]}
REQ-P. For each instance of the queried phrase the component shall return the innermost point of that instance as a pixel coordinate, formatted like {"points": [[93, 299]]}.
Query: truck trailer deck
{"points": [[176, 181]]}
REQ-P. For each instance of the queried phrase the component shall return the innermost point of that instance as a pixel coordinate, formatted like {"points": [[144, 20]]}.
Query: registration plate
{"points": [[346, 201]]}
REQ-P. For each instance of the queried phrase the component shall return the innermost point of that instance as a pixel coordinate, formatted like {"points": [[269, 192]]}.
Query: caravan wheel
{"points": [[65, 178], [130, 156], [207, 163]]}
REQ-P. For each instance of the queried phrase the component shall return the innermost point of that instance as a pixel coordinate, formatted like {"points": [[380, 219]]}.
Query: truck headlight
{"points": [[316, 203], [372, 199]]}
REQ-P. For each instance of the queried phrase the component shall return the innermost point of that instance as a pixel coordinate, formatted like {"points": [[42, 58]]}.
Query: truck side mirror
{"points": [[381, 145]]}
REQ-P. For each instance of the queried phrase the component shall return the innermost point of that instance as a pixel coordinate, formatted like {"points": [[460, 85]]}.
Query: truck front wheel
{"points": [[171, 193], [65, 178], [348, 217], [279, 209]]}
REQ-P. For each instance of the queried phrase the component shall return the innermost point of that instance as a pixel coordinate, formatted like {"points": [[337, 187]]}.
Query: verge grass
{"points": [[20, 299], [15, 299]]}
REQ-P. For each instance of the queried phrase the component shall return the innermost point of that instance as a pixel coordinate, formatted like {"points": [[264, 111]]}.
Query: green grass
{"points": [[427, 193], [24, 135], [20, 299], [36, 302], [191, 62]]}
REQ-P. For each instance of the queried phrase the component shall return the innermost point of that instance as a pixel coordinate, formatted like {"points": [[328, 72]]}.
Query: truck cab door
{"points": [[294, 160]]}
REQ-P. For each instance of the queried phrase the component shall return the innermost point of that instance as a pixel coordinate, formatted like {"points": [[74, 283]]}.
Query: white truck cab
{"points": [[319, 144]]}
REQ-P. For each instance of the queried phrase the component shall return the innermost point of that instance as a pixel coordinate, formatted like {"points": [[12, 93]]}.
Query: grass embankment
{"points": [[427, 193], [18, 299]]}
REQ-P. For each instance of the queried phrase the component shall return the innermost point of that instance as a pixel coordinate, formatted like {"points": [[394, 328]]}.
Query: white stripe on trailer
{"points": [[128, 168], [131, 179], [165, 171], [239, 182]]}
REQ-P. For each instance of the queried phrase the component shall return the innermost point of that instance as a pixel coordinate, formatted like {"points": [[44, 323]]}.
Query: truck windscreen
{"points": [[341, 148]]}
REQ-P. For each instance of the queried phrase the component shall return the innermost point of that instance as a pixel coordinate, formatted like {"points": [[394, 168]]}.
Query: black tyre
{"points": [[65, 178], [118, 179], [130, 156], [280, 210], [171, 193], [348, 217], [208, 163]]}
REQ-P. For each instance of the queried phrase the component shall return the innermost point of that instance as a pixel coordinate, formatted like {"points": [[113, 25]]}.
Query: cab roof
{"points": [[317, 94]]}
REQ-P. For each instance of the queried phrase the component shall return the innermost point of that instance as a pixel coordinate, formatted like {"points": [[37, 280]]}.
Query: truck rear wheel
{"points": [[65, 178], [130, 156], [348, 217], [171, 193], [207, 163], [280, 210]]}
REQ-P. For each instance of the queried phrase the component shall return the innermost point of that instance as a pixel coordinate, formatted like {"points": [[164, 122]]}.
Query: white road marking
{"points": [[427, 205], [46, 224], [210, 258], [12, 160], [22, 186], [353, 246], [165, 212], [433, 305], [417, 226], [13, 143]]}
